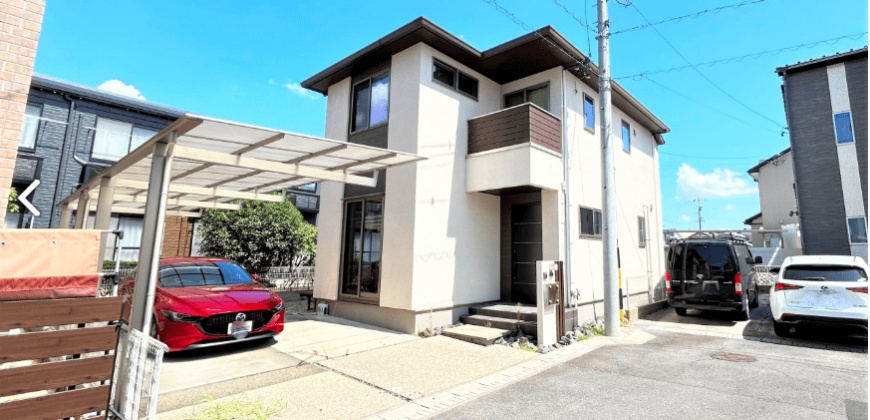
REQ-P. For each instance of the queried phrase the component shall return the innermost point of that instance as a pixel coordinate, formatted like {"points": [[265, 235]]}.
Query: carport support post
{"points": [[65, 216], [152, 235], [104, 215], [83, 210]]}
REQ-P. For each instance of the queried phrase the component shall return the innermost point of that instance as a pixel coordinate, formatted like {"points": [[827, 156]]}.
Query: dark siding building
{"points": [[826, 107]]}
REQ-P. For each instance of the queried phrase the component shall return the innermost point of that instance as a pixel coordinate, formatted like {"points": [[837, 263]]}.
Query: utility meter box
{"points": [[548, 298]]}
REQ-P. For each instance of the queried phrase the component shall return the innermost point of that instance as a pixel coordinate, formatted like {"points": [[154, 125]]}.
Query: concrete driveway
{"points": [[758, 328]]}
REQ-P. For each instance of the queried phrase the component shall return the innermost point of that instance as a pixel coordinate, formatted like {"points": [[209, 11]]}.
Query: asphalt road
{"points": [[674, 376]]}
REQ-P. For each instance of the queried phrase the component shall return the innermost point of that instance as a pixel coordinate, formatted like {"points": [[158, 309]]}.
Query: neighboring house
{"points": [[465, 226], [826, 108], [775, 178], [73, 132], [307, 200]]}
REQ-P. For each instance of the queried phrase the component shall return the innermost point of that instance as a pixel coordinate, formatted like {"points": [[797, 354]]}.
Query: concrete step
{"points": [[476, 334], [528, 327], [506, 310]]}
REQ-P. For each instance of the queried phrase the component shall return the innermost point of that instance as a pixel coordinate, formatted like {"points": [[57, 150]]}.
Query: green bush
{"points": [[109, 264], [11, 207], [234, 409], [260, 234]]}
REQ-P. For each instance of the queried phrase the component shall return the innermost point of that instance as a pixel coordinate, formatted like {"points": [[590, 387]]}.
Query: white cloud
{"points": [[720, 183], [729, 207], [299, 90], [685, 218], [118, 87]]}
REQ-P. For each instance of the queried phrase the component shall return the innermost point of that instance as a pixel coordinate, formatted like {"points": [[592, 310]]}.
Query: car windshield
{"points": [[824, 273], [202, 275]]}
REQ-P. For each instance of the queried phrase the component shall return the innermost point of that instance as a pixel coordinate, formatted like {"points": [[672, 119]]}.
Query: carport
{"points": [[200, 162]]}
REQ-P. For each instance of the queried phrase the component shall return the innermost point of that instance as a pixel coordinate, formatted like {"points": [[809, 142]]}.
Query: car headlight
{"points": [[177, 316], [278, 307]]}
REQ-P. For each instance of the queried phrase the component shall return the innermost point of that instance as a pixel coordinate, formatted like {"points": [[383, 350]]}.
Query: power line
{"points": [[710, 107], [704, 76], [753, 56], [570, 13], [691, 16]]}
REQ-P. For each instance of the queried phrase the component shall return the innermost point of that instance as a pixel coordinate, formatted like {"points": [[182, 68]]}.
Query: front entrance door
{"points": [[526, 250]]}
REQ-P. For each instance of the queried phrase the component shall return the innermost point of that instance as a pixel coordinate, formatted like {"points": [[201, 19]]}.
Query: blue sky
{"points": [[243, 61]]}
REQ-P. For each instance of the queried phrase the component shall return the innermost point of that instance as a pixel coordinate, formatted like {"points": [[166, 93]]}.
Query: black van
{"points": [[713, 275]]}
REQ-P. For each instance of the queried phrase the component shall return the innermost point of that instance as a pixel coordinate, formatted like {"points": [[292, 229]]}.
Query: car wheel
{"points": [[781, 329], [744, 314], [755, 300], [680, 311]]}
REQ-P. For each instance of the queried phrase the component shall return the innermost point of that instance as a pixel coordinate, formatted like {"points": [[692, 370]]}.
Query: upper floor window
{"points": [[114, 139], [454, 79], [857, 230], [588, 112], [30, 127], [590, 222], [641, 231], [843, 128], [626, 137], [538, 95], [371, 102]]}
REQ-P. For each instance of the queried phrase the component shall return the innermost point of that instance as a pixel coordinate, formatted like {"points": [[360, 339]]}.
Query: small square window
{"points": [[590, 222], [466, 84], [443, 74], [857, 230], [589, 112], [843, 128]]}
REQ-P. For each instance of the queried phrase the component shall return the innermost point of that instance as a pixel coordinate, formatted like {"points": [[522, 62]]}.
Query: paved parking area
{"points": [[758, 328]]}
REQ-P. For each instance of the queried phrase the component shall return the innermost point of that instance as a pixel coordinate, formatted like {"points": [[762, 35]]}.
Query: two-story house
{"points": [[776, 193], [826, 109], [437, 239]]}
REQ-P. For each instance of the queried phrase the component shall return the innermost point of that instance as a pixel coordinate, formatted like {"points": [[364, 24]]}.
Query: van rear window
{"points": [[824, 273], [708, 257]]}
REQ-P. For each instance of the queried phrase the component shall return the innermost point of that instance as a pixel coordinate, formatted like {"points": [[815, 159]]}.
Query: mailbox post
{"points": [[548, 296]]}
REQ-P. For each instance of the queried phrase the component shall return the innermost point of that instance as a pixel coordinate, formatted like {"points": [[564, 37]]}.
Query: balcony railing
{"points": [[526, 123]]}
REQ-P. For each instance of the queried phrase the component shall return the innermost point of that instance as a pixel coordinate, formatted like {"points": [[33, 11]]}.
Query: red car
{"points": [[202, 302]]}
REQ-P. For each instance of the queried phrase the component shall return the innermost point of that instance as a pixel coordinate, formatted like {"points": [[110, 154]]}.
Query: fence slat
{"points": [[56, 406], [53, 375], [40, 345], [40, 313]]}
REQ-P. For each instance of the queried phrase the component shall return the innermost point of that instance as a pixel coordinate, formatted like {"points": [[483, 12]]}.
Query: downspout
{"points": [[63, 165], [567, 192]]}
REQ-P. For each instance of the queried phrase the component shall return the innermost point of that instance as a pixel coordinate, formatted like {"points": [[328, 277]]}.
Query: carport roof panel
{"points": [[229, 157]]}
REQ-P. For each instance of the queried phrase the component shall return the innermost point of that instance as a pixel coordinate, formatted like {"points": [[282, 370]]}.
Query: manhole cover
{"points": [[732, 357]]}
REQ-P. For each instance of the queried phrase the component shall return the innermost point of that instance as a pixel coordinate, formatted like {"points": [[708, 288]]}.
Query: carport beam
{"points": [[104, 214], [152, 235]]}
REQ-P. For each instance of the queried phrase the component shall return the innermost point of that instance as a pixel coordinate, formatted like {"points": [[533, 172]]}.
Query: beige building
{"points": [[440, 239], [775, 178]]}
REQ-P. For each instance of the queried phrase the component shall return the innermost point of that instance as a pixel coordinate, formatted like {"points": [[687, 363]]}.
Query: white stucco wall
{"points": [[776, 193], [521, 165]]}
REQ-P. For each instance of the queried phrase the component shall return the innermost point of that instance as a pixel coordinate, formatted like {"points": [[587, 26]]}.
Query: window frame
{"points": [[526, 95], [592, 101], [370, 298], [38, 126], [456, 72], [849, 229], [851, 127], [626, 126], [595, 212], [133, 127], [641, 227], [368, 80]]}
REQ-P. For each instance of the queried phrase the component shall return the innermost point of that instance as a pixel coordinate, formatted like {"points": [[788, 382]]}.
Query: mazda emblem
{"points": [[240, 316], [700, 276]]}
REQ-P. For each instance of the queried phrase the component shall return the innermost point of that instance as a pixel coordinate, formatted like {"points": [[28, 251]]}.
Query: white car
{"points": [[823, 290]]}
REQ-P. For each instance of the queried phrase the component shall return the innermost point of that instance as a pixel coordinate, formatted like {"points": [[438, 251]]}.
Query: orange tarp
{"points": [[48, 263]]}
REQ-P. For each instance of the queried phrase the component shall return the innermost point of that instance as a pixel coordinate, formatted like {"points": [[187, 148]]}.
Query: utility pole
{"points": [[611, 270], [699, 211]]}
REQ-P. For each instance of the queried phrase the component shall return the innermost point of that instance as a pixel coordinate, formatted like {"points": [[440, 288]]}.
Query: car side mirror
{"points": [[758, 259], [256, 277]]}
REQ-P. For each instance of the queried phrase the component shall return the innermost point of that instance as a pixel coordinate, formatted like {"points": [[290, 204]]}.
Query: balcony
{"points": [[514, 149]]}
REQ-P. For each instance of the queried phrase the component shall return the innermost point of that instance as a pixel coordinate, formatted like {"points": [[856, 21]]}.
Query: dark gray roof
{"points": [[749, 220], [513, 60], [757, 168], [62, 86], [824, 60]]}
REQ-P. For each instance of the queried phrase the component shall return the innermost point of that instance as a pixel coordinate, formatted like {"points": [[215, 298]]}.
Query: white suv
{"points": [[823, 290]]}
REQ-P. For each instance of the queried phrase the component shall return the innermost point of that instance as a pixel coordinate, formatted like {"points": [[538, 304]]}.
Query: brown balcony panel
{"points": [[518, 125]]}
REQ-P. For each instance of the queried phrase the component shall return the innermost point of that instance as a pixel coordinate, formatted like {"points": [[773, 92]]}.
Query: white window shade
{"points": [[112, 139], [140, 135], [31, 126]]}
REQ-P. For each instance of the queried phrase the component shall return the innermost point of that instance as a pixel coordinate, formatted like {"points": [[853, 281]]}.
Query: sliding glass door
{"points": [[361, 249]]}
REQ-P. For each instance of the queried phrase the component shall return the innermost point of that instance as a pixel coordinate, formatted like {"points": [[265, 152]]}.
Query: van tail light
{"points": [[780, 286], [738, 284], [858, 289], [668, 280]]}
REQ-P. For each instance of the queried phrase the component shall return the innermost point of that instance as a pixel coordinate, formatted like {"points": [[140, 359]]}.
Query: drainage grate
{"points": [[733, 357]]}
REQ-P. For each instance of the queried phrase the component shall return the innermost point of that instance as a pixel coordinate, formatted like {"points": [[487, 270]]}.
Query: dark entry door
{"points": [[526, 249]]}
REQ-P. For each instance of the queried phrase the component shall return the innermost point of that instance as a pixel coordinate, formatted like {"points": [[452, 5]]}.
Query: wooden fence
{"points": [[41, 389]]}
